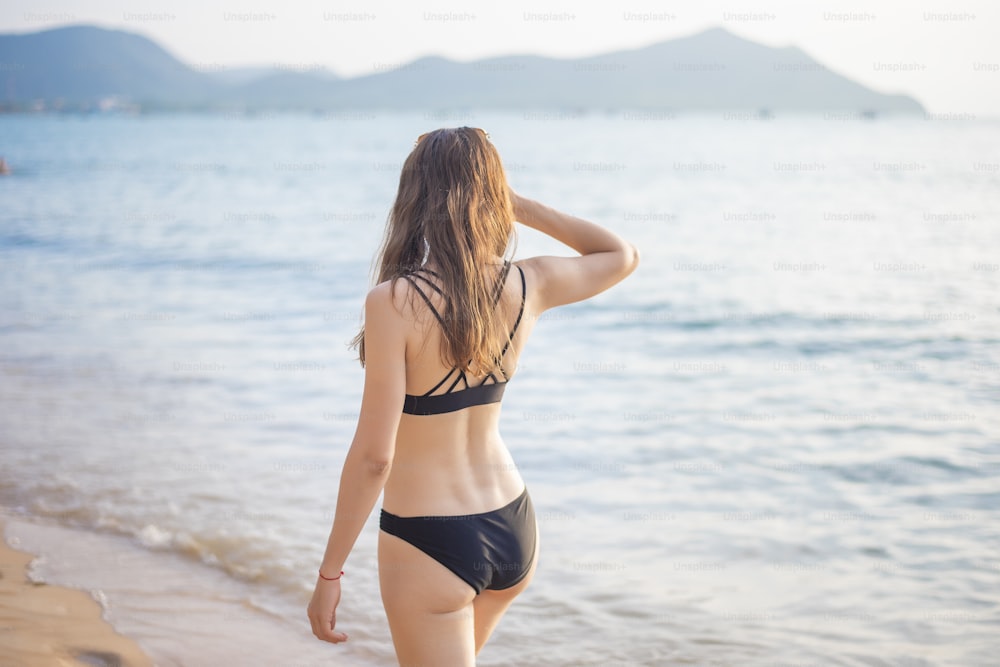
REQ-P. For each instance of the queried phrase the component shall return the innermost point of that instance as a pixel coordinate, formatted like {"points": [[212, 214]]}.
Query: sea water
{"points": [[776, 443]]}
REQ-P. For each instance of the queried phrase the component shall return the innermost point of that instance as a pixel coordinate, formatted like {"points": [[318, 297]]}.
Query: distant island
{"points": [[86, 68]]}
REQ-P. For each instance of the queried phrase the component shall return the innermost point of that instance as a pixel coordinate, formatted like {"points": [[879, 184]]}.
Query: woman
{"points": [[458, 540]]}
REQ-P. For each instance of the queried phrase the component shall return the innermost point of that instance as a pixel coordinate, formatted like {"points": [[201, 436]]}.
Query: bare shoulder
{"points": [[529, 270], [386, 325], [387, 301]]}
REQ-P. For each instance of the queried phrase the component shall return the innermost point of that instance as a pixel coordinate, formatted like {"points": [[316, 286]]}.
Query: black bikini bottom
{"points": [[492, 550]]}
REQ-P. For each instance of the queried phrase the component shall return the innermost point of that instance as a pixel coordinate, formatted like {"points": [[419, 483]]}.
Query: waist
{"points": [[424, 486], [513, 506], [455, 465]]}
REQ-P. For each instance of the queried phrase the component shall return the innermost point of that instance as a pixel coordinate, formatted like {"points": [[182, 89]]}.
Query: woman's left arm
{"points": [[369, 459]]}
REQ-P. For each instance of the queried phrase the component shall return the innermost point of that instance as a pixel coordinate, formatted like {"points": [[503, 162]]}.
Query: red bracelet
{"points": [[330, 578]]}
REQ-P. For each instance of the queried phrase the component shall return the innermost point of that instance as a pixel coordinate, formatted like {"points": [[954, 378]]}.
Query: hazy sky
{"points": [[945, 53]]}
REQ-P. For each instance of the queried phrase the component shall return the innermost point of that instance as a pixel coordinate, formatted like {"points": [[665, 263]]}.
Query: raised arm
{"points": [[605, 258], [366, 467]]}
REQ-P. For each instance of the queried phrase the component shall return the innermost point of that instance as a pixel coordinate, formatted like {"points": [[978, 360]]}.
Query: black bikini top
{"points": [[480, 394]]}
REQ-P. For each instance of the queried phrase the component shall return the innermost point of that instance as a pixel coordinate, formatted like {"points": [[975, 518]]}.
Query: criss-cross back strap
{"points": [[461, 377]]}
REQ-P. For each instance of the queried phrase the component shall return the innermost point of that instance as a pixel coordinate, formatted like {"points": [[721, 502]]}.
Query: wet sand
{"points": [[43, 625]]}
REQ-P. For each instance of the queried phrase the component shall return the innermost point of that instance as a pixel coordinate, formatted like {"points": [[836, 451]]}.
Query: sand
{"points": [[55, 626]]}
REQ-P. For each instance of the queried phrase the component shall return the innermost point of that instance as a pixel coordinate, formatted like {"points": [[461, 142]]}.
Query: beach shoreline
{"points": [[43, 625], [110, 600]]}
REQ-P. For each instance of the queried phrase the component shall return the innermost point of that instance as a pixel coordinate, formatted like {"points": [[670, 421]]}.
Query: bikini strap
{"points": [[417, 273], [501, 281], [443, 380], [461, 377], [430, 271], [426, 298], [520, 314]]}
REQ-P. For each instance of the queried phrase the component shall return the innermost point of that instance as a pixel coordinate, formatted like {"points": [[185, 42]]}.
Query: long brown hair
{"points": [[453, 205]]}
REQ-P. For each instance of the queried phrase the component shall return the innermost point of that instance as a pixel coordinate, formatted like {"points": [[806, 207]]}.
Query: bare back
{"points": [[456, 462]]}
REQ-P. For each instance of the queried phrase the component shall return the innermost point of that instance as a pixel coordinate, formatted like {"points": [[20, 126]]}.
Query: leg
{"points": [[429, 608], [490, 605]]}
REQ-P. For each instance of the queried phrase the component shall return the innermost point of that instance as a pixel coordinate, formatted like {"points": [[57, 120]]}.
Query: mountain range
{"points": [[86, 67]]}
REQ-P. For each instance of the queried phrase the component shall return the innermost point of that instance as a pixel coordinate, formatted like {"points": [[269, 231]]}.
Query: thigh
{"points": [[428, 607]]}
